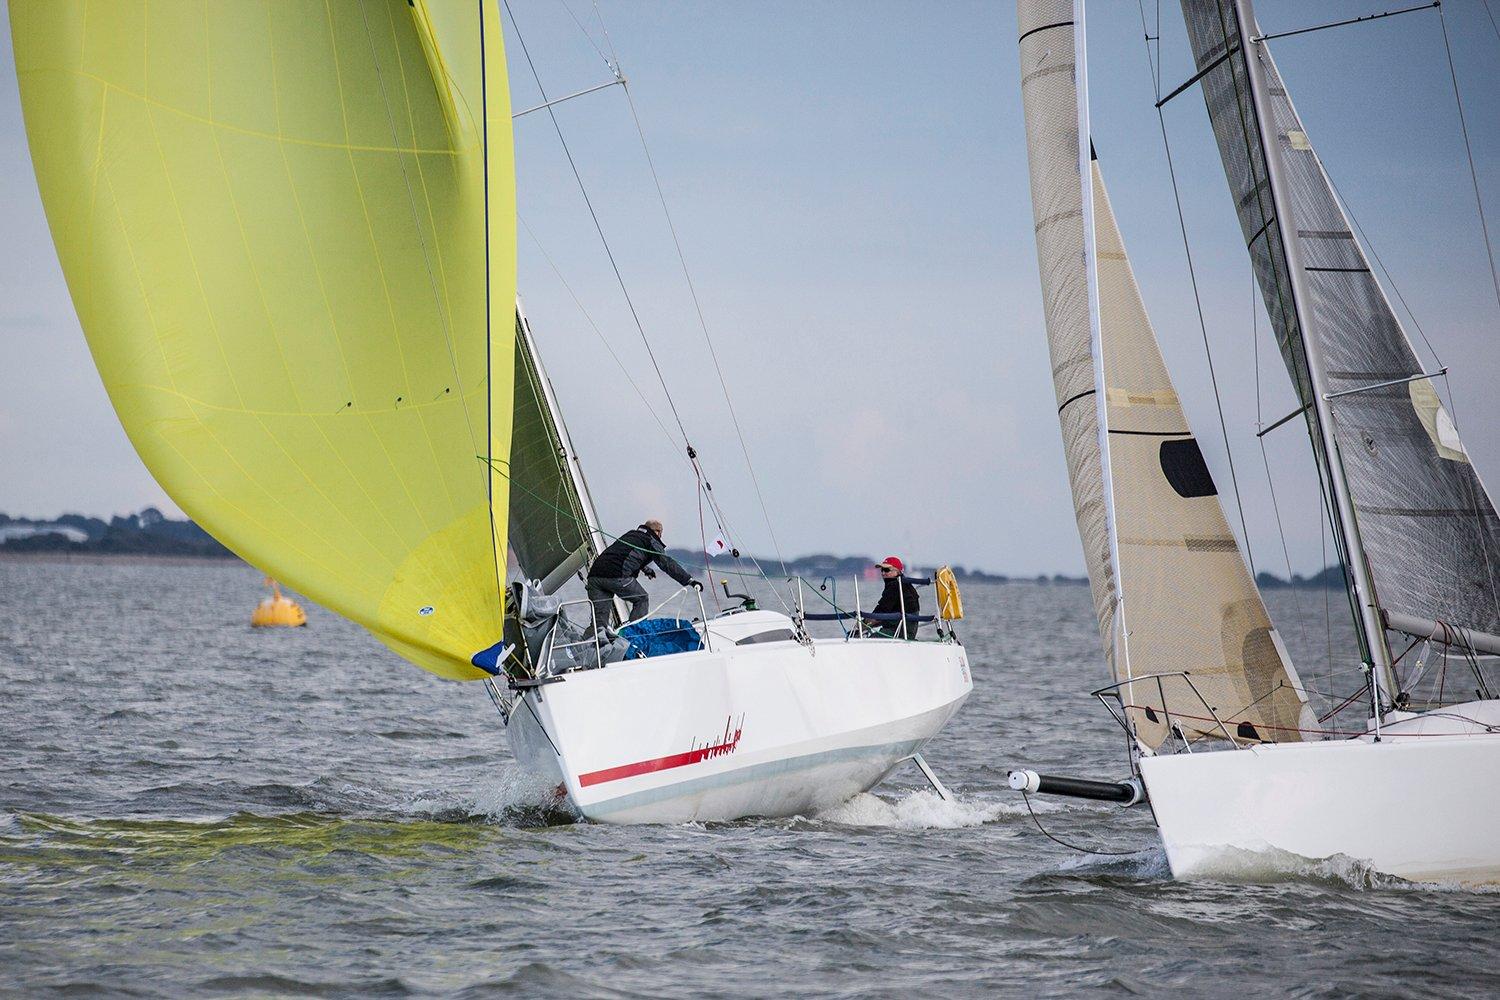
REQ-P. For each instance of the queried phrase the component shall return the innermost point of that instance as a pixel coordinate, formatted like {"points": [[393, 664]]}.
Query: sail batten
{"points": [[1172, 591], [281, 224]]}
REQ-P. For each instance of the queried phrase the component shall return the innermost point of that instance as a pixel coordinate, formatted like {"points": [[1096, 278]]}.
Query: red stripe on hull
{"points": [[696, 756]]}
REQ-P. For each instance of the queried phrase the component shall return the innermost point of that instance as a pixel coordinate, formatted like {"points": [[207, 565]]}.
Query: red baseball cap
{"points": [[894, 563]]}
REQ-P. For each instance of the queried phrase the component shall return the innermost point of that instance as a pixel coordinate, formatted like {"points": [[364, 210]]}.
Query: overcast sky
{"points": [[849, 184]]}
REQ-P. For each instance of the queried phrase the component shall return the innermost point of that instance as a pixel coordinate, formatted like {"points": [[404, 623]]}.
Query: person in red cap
{"points": [[898, 598]]}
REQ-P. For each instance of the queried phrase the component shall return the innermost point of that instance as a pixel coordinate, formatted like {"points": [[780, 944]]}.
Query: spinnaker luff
{"points": [[289, 232]]}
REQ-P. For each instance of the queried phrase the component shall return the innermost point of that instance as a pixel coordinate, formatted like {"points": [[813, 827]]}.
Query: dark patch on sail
{"points": [[1182, 463]]}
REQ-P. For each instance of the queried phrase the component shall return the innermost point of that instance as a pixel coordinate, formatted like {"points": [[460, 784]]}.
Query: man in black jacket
{"points": [[614, 572], [898, 598]]}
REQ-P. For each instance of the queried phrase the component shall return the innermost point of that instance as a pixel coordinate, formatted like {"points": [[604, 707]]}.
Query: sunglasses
{"points": [[887, 569]]}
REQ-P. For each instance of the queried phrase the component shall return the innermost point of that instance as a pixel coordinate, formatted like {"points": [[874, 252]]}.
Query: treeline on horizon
{"points": [[148, 533], [151, 533]]}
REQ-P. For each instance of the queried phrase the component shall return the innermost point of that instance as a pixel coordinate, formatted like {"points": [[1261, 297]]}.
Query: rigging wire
{"points": [[703, 325], [1469, 152], [1197, 299], [705, 487], [1491, 15], [1264, 458], [1344, 204], [599, 333], [589, 35], [614, 64], [702, 482], [598, 227]]}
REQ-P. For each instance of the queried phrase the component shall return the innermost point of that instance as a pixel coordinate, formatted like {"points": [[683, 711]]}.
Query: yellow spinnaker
{"points": [[288, 227]]}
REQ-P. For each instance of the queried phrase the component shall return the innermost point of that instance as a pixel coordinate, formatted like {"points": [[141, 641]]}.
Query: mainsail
{"points": [[1428, 528], [1185, 600], [288, 229], [552, 520]]}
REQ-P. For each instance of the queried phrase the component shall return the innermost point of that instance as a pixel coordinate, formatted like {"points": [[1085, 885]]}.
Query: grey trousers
{"points": [[602, 590]]}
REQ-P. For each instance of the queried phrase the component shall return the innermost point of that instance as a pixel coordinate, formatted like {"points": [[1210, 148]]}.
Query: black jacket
{"points": [[890, 598], [890, 604], [633, 552]]}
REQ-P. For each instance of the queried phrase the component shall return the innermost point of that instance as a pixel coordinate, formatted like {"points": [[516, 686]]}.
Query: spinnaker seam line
{"points": [[239, 225], [159, 105], [194, 404], [411, 201], [446, 299], [364, 208], [397, 471], [187, 244]]}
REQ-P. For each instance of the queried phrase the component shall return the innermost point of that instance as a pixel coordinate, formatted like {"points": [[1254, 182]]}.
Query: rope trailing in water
{"points": [[1071, 847]]}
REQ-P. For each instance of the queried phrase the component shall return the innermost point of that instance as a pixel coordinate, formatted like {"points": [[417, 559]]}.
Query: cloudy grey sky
{"points": [[849, 184]]}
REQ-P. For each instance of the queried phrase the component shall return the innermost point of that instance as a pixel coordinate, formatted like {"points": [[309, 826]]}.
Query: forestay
{"points": [[1187, 600], [288, 230], [1428, 528]]}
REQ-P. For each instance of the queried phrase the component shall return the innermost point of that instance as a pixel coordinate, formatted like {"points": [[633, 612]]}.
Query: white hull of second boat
{"points": [[1422, 804], [766, 729]]}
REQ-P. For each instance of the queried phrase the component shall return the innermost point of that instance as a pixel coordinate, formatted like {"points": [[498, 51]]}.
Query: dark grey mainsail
{"points": [[551, 519], [1426, 525]]}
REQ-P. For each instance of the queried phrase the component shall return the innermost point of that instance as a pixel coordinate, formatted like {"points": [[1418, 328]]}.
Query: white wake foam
{"points": [[918, 810], [1271, 864]]}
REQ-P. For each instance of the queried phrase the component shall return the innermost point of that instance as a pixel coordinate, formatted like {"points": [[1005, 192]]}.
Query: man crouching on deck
{"points": [[613, 573]]}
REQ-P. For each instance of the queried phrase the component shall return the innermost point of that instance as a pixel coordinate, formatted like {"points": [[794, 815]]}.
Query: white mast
{"points": [[1096, 330], [1364, 590]]}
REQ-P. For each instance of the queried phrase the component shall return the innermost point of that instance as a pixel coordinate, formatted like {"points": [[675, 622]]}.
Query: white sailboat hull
{"points": [[1423, 803], [767, 729]]}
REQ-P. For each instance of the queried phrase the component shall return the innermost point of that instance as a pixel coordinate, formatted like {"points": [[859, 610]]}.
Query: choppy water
{"points": [[188, 806]]}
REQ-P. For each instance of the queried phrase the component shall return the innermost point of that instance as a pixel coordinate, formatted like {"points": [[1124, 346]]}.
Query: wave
{"points": [[1272, 864], [918, 810], [1149, 864]]}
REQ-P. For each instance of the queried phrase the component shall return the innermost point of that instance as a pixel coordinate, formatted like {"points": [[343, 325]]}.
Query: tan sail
{"points": [[1050, 101], [1185, 600]]}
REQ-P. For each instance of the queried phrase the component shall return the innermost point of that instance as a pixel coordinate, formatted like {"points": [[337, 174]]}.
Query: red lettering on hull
{"points": [[726, 745]]}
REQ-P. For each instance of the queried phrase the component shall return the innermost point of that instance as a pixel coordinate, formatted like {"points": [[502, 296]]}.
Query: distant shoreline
{"points": [[150, 559], [126, 558]]}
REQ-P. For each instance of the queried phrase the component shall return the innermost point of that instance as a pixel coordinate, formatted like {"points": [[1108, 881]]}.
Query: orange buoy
{"points": [[277, 610]]}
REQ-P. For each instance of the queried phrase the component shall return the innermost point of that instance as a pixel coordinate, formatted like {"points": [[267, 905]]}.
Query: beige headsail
{"points": [[1154, 532]]}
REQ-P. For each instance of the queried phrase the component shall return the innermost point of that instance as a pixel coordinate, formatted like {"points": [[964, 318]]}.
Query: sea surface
{"points": [[189, 807]]}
